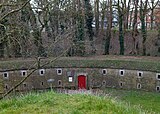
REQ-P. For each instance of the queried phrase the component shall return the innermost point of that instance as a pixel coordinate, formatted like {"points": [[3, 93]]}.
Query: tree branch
{"points": [[16, 10]]}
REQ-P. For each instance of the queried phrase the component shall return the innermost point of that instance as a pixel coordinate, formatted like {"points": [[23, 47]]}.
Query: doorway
{"points": [[81, 82]]}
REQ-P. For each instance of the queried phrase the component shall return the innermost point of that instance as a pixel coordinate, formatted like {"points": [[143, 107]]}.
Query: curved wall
{"points": [[67, 78]]}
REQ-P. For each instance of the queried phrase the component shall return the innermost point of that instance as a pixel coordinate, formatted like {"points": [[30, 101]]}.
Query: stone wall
{"points": [[1, 85], [68, 78]]}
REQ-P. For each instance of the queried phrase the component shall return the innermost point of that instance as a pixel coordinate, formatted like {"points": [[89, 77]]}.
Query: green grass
{"points": [[120, 62], [146, 100], [54, 103]]}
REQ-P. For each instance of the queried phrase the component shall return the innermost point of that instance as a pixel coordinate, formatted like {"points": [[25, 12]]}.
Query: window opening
{"points": [[121, 72], [59, 82], [6, 87], [104, 71], [158, 88], [104, 83], [140, 74], [24, 85], [158, 76], [41, 72], [5, 75], [59, 71], [24, 73], [139, 86], [121, 84]]}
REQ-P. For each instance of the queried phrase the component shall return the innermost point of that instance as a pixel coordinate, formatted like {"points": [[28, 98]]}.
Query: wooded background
{"points": [[99, 27]]}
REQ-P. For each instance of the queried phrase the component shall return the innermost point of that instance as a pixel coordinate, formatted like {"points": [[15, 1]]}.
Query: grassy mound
{"points": [[119, 62], [54, 103]]}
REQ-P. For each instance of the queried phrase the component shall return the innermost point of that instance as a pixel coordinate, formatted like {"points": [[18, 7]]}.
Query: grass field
{"points": [[126, 102], [146, 100], [64, 104]]}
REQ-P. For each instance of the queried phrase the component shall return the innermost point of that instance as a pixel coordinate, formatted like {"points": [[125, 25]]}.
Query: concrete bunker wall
{"points": [[67, 78]]}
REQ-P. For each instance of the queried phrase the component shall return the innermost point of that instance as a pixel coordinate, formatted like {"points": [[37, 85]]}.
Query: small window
{"points": [[158, 88], [158, 76], [23, 73], [104, 83], [41, 72], [121, 72], [24, 85], [5, 75], [59, 82], [42, 83], [104, 71], [140, 74], [139, 86], [6, 86], [121, 84], [70, 79], [59, 71]]}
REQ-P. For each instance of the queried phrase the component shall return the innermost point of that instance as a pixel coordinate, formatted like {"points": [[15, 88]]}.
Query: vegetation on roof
{"points": [[118, 62]]}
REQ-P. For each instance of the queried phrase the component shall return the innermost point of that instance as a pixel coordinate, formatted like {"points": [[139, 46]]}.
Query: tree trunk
{"points": [[121, 35], [130, 20], [121, 29], [144, 35], [143, 11], [135, 31], [97, 16], [127, 14], [152, 18], [109, 26]]}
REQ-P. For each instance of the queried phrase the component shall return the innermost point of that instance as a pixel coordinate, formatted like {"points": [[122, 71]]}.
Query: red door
{"points": [[81, 82]]}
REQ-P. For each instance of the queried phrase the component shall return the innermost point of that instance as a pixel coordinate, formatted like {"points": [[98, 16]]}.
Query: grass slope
{"points": [[120, 62], [53, 103], [146, 100]]}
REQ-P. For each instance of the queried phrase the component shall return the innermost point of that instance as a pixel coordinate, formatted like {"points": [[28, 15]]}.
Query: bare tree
{"points": [[97, 14], [134, 27], [143, 12], [121, 14], [7, 8], [103, 6], [152, 7], [109, 27]]}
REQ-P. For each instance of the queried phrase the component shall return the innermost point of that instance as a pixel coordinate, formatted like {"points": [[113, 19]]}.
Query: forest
{"points": [[48, 28]]}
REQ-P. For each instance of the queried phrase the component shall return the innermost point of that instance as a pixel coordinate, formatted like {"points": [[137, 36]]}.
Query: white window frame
{"points": [[70, 79], [121, 71], [138, 86], [22, 71], [157, 87], [139, 73], [40, 70], [105, 71], [58, 72], [158, 74], [7, 75]]}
